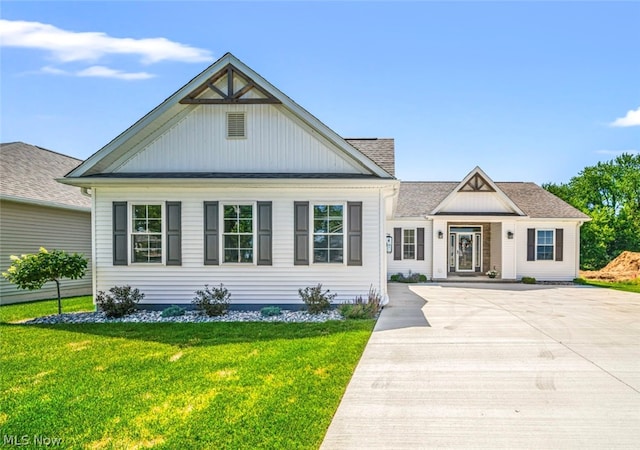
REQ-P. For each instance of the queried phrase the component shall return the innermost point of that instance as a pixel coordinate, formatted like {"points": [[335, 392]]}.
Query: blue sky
{"points": [[527, 91]]}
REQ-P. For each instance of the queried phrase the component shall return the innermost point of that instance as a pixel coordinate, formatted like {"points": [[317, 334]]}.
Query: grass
{"points": [[169, 385], [628, 286], [23, 311]]}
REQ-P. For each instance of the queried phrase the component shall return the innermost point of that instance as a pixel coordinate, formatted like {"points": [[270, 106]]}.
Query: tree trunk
{"points": [[59, 300]]}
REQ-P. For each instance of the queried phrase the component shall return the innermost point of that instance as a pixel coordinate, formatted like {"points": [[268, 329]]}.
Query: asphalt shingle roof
{"points": [[29, 172], [380, 150], [419, 198]]}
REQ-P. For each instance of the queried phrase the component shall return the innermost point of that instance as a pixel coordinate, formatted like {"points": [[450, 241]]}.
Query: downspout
{"points": [[382, 243]]}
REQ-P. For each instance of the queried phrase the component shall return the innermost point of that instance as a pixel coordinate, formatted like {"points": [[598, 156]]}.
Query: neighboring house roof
{"points": [[380, 150], [418, 199], [28, 173], [182, 102]]}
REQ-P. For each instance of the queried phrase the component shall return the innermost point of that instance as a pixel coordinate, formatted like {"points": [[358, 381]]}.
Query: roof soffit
{"points": [[173, 109], [477, 181]]}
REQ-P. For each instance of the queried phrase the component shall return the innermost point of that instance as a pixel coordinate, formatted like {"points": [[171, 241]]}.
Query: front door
{"points": [[465, 256]]}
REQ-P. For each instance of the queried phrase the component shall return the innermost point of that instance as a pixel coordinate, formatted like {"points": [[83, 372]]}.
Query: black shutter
{"points": [[397, 244], [211, 239], [174, 233], [120, 234], [420, 245], [559, 243], [354, 233], [301, 233], [264, 234], [531, 244]]}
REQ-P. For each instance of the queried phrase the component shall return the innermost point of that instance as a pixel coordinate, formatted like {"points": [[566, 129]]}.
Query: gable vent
{"points": [[236, 125]]}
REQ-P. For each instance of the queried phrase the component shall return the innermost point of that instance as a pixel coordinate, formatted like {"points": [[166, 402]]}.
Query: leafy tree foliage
{"points": [[609, 193], [34, 270]]}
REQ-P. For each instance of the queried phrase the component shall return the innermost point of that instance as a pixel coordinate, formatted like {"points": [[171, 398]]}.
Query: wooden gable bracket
{"points": [[477, 184], [230, 96]]}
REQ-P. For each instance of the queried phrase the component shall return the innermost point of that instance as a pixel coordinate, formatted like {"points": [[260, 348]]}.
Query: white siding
{"points": [[476, 202], [564, 270], [25, 228], [406, 266], [247, 283], [275, 143]]}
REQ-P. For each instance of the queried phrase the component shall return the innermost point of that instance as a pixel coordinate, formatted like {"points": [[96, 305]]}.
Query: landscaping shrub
{"points": [[579, 281], [173, 311], [316, 300], [212, 301], [528, 280], [361, 308], [411, 278], [269, 311], [121, 301]]}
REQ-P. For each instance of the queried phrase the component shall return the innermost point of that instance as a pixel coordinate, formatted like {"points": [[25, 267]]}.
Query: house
{"points": [[230, 181], [448, 230], [36, 211]]}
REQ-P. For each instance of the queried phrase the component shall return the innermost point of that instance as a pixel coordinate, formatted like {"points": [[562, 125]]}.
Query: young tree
{"points": [[609, 193], [34, 270]]}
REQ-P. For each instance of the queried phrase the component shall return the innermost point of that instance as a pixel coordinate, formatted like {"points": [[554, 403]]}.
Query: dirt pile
{"points": [[624, 267]]}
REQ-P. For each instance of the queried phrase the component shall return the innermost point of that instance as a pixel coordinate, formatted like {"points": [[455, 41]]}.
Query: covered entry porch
{"points": [[470, 248]]}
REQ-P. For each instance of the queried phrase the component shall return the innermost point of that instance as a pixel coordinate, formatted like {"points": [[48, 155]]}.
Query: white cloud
{"points": [[99, 71], [632, 119], [68, 46]]}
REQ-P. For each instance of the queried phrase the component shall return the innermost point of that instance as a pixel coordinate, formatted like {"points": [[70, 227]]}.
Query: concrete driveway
{"points": [[496, 366]]}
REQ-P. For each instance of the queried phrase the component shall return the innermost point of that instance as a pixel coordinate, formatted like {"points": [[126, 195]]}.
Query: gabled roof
{"points": [[183, 101], [421, 198], [478, 181], [28, 173]]}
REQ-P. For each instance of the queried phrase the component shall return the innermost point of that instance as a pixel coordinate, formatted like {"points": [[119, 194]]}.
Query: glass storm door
{"points": [[464, 252]]}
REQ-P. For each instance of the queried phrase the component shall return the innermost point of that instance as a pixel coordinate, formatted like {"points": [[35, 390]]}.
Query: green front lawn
{"points": [[209, 385], [23, 311], [629, 286]]}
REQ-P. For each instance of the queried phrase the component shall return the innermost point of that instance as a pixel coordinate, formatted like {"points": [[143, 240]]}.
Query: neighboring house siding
{"points": [[248, 283], [273, 144], [406, 266], [25, 228], [564, 270]]}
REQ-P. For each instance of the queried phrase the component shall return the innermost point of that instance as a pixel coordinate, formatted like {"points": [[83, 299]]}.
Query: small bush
{"points": [[212, 301], [528, 280], [269, 311], [361, 308], [316, 300], [121, 301], [173, 311], [411, 278], [579, 281]]}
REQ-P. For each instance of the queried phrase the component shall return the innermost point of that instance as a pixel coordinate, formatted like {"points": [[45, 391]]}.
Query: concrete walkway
{"points": [[496, 366]]}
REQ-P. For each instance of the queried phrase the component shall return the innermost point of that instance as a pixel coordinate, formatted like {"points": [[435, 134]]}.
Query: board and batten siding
{"points": [[565, 270], [476, 202], [272, 145], [24, 228], [406, 266], [248, 283]]}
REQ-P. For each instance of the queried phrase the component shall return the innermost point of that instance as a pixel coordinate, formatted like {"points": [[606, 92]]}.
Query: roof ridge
{"points": [[41, 148]]}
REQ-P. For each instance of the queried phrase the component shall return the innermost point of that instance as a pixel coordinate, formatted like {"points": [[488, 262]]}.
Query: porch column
{"points": [[509, 249], [439, 256]]}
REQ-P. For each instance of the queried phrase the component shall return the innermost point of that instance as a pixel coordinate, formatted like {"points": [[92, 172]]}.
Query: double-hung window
{"points": [[328, 233], [146, 233], [238, 233], [408, 244], [544, 245]]}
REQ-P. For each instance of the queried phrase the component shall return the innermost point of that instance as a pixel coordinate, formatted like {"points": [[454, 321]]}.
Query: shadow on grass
{"points": [[206, 334]]}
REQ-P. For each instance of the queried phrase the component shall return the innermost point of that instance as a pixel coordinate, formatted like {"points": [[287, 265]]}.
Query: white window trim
{"points": [[254, 225], [553, 244], [415, 244], [130, 232], [226, 124], [312, 259]]}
